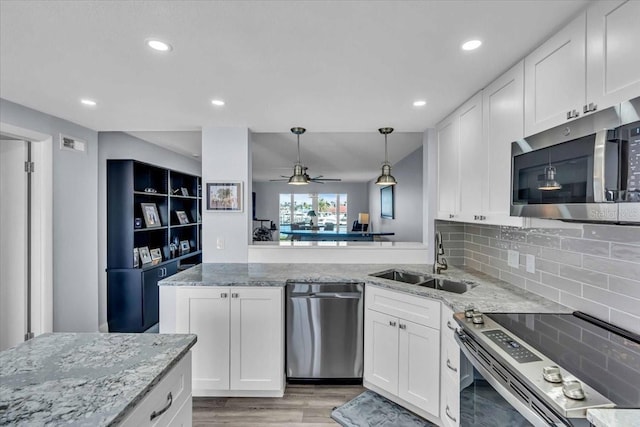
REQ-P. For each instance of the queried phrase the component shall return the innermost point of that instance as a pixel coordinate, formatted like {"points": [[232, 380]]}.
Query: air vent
{"points": [[72, 144]]}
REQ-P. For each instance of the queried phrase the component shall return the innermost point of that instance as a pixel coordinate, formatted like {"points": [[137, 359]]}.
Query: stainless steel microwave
{"points": [[587, 170]]}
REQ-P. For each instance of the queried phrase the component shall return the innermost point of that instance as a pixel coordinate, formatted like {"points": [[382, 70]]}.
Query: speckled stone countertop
{"points": [[83, 379], [614, 417], [490, 295]]}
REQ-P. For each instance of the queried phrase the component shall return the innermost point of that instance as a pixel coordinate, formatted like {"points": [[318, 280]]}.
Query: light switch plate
{"points": [[514, 258], [531, 263]]}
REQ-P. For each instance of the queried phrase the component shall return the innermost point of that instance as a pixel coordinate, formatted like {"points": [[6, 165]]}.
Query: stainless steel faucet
{"points": [[440, 263]]}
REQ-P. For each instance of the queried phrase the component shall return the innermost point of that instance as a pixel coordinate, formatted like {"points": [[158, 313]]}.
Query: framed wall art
{"points": [[224, 196], [386, 202]]}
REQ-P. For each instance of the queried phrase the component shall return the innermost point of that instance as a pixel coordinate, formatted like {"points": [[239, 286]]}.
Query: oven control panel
{"points": [[512, 347]]}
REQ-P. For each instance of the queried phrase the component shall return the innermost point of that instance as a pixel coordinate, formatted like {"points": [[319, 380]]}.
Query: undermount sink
{"points": [[447, 285]]}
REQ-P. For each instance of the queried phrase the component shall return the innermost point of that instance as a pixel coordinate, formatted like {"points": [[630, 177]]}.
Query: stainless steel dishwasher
{"points": [[325, 332]]}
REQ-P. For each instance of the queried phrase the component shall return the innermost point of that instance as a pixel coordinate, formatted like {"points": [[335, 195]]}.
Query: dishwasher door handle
{"points": [[336, 295]]}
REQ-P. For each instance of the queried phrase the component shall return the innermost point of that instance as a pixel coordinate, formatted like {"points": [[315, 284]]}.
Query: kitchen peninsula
{"points": [[93, 379]]}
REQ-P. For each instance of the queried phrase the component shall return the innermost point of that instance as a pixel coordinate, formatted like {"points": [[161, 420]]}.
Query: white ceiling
{"points": [[335, 67]]}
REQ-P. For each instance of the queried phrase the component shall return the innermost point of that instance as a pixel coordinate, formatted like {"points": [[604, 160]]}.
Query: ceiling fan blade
{"points": [[329, 179], [280, 180]]}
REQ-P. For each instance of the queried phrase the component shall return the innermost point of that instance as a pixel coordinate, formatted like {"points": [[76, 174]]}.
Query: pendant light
{"points": [[386, 178], [299, 176], [548, 182]]}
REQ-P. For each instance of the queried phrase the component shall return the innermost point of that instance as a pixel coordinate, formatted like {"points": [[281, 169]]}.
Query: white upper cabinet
{"points": [[555, 79], [503, 123], [613, 63], [448, 132], [472, 154]]}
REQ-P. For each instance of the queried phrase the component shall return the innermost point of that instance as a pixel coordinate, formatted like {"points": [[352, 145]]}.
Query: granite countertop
{"points": [[614, 417], [490, 294], [83, 379]]}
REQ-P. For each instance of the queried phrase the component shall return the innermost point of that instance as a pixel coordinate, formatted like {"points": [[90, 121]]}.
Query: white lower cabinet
{"points": [[240, 347], [169, 403], [402, 356]]}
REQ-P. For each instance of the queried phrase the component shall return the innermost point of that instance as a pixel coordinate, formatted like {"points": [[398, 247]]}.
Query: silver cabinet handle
{"points": [[449, 415], [450, 366], [449, 325], [451, 216], [223, 295], [234, 295], [391, 323], [402, 326], [156, 414]]}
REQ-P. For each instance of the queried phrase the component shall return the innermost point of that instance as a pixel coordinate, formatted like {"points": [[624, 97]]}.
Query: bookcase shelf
{"points": [[132, 291]]}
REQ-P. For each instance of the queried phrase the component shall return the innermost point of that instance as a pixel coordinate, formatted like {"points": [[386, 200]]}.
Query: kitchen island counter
{"points": [[490, 294], [84, 379]]}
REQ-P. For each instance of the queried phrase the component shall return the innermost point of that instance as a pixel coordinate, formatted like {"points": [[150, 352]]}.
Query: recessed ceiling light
{"points": [[471, 45], [217, 102], [159, 45], [88, 102], [420, 103]]}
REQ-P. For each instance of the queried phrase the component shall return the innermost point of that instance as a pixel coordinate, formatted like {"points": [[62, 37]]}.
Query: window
{"points": [[329, 208]]}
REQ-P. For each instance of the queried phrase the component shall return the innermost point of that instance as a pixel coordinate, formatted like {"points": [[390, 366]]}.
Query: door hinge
{"points": [[29, 167]]}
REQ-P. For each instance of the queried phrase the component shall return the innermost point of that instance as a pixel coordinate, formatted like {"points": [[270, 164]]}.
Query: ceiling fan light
{"points": [[299, 177]]}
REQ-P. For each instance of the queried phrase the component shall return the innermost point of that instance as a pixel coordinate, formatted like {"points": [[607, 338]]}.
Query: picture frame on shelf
{"points": [[184, 191], [182, 217], [386, 202], [184, 247], [145, 255], [224, 196], [150, 214], [156, 256], [136, 258]]}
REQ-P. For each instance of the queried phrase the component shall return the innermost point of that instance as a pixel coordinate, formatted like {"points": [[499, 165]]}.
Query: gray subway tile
{"points": [[472, 263], [492, 232], [512, 235], [561, 283], [456, 252], [473, 229], [611, 299], [513, 279], [543, 290], [625, 320], [555, 231], [499, 263], [456, 236], [544, 240], [584, 276], [562, 257], [480, 257], [590, 307], [491, 271], [491, 251], [526, 249], [480, 240], [473, 247], [591, 247], [454, 244], [499, 244], [624, 286], [522, 271], [625, 252], [457, 261], [629, 270], [547, 266], [613, 233]]}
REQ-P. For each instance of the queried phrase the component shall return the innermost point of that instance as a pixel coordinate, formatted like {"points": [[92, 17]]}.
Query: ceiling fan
{"points": [[300, 175]]}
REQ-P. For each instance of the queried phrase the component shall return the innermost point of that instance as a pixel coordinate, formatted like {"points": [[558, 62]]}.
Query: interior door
{"points": [[13, 243]]}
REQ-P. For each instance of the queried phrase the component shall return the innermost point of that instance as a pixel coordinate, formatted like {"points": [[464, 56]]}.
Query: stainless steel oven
{"points": [[545, 369], [587, 170]]}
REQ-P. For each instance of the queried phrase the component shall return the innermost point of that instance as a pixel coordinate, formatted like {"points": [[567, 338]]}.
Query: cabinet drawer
{"points": [[422, 311], [178, 383]]}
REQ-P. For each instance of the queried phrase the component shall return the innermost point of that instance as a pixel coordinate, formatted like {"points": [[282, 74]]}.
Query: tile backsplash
{"points": [[590, 267]]}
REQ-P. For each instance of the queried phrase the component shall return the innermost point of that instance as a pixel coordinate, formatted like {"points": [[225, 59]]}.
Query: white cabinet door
{"points": [[381, 351], [205, 312], [613, 40], [503, 116], [472, 152], [555, 77], [419, 367], [257, 339], [448, 132]]}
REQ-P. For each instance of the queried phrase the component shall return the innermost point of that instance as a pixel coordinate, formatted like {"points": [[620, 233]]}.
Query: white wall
{"points": [[268, 194], [408, 199], [75, 209], [226, 157], [119, 145]]}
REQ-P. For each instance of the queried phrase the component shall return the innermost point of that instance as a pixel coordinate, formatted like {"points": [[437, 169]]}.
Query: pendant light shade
{"points": [[299, 176], [386, 178]]}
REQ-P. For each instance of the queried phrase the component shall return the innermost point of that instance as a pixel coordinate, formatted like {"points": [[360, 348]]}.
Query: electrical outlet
{"points": [[220, 243], [531, 263], [513, 259]]}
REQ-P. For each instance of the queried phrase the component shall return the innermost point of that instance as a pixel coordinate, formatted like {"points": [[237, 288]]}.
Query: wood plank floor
{"points": [[302, 405]]}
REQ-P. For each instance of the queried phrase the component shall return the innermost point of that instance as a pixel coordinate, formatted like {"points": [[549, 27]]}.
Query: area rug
{"points": [[372, 410]]}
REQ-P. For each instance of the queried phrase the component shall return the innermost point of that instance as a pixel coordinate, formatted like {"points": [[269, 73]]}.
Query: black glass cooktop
{"points": [[606, 360]]}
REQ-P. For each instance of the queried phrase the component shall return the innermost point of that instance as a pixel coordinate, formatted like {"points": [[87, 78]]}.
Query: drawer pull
{"points": [[156, 414], [392, 323], [449, 325], [402, 326], [449, 415], [223, 295], [450, 366]]}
